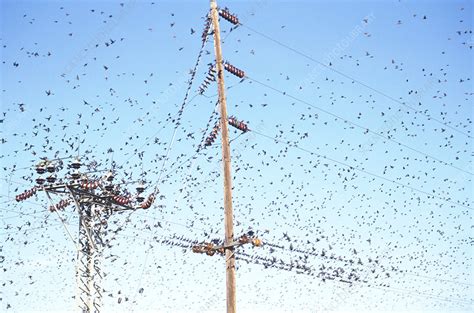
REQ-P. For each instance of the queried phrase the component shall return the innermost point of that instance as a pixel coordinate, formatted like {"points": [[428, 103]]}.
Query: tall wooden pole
{"points": [[228, 211]]}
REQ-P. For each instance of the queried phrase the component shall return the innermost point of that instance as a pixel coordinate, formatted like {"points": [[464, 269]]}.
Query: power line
{"points": [[23, 214], [423, 294], [436, 278], [283, 266], [23, 232], [293, 144], [248, 259], [33, 166], [269, 244], [12, 199], [295, 250], [178, 121], [357, 125], [401, 272], [193, 157], [76, 245], [16, 182], [157, 132], [429, 117], [167, 240], [314, 253]]}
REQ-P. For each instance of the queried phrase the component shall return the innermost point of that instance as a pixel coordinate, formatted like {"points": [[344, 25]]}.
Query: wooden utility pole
{"points": [[228, 210]]}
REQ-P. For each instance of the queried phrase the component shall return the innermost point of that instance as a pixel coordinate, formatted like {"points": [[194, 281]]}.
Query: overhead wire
{"points": [[312, 153], [428, 116], [62, 221], [168, 240], [423, 294], [314, 253], [177, 123], [192, 158], [293, 144], [207, 27], [358, 125]]}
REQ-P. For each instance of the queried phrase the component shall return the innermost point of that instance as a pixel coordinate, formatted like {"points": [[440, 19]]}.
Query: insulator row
{"points": [[75, 174], [207, 248], [210, 77], [238, 124], [233, 70], [41, 168], [60, 205], [140, 188], [198, 249], [225, 14], [246, 239], [147, 204], [26, 194], [121, 200], [109, 176], [212, 136], [90, 185], [51, 178], [76, 164], [51, 167]]}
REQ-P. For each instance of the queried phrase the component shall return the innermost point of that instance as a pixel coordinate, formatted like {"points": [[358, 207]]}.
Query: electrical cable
{"points": [[429, 117], [292, 144], [357, 125]]}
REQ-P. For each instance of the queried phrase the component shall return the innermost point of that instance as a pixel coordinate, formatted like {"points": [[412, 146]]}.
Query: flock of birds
{"points": [[360, 195]]}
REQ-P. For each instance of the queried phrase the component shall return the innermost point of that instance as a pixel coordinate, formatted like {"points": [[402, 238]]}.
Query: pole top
{"points": [[213, 4]]}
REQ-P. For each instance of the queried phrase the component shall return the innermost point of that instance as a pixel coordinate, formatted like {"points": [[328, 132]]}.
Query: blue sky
{"points": [[375, 98]]}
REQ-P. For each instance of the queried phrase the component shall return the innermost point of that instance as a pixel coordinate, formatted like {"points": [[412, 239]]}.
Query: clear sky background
{"points": [[375, 98]]}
